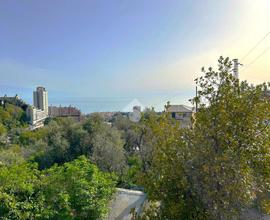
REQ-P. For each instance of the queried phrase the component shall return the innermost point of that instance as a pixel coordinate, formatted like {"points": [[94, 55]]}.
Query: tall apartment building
{"points": [[40, 111], [41, 99]]}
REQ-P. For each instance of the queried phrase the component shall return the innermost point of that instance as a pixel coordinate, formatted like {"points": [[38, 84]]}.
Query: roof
{"points": [[179, 108]]}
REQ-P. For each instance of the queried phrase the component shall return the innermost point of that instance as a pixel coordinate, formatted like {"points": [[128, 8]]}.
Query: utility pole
{"points": [[196, 100], [236, 68]]}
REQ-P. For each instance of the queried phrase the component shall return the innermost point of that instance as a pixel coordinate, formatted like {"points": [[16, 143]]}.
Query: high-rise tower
{"points": [[41, 99]]}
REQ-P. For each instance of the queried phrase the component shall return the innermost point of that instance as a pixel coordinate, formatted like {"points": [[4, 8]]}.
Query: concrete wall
{"points": [[123, 202]]}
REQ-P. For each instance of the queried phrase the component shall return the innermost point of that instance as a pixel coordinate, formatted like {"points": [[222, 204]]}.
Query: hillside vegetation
{"points": [[215, 169]]}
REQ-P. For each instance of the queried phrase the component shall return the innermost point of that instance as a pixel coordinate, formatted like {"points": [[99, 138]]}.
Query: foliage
{"points": [[219, 167], [28, 137], [106, 145], [75, 190], [12, 116], [129, 180], [11, 155], [20, 196], [213, 170], [166, 180], [235, 142]]}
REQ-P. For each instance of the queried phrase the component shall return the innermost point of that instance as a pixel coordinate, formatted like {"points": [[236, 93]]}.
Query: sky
{"points": [[112, 52]]}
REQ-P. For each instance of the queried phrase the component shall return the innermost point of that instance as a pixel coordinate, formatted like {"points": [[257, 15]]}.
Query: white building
{"points": [[40, 97], [36, 116], [39, 112]]}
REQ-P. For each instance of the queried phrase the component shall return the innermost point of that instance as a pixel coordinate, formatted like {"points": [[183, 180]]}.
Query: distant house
{"points": [[69, 111], [182, 113], [16, 100]]}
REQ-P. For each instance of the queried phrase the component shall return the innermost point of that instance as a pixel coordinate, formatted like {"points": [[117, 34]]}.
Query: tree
{"points": [[220, 166], [166, 179], [107, 145], [20, 196], [230, 142], [75, 190], [12, 116], [3, 134], [108, 151], [11, 155], [55, 149]]}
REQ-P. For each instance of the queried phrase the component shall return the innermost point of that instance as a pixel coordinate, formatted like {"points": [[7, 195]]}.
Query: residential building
{"points": [[70, 111], [16, 100], [40, 97], [182, 113], [39, 111], [36, 117]]}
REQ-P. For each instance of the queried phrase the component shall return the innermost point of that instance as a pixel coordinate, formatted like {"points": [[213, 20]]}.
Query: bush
{"points": [[75, 190]]}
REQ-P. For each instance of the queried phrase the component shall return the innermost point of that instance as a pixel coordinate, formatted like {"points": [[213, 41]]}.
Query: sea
{"points": [[102, 104], [116, 104], [108, 104]]}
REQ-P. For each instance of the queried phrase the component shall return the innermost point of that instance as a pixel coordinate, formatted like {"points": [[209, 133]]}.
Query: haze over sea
{"points": [[97, 103], [110, 104]]}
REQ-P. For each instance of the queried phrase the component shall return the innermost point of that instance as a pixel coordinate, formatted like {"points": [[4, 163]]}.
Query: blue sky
{"points": [[134, 49]]}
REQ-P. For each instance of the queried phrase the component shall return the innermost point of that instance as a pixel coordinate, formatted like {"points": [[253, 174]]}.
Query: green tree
{"points": [[75, 190], [166, 179], [107, 146], [3, 134], [12, 116], [108, 152], [220, 166], [230, 142], [20, 195], [13, 154], [55, 149]]}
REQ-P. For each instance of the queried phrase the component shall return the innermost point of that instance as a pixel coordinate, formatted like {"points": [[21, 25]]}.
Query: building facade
{"points": [[182, 113], [16, 100], [40, 97], [39, 111], [36, 117], [70, 111]]}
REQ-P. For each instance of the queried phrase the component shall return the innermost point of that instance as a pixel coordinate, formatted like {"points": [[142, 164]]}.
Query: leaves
{"points": [[221, 165], [76, 190]]}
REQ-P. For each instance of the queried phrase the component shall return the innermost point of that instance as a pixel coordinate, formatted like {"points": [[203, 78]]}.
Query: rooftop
{"points": [[179, 108]]}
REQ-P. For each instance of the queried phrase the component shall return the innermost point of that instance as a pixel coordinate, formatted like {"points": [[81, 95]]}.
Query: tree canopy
{"points": [[220, 166], [76, 190], [216, 169]]}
